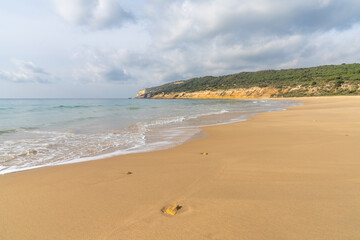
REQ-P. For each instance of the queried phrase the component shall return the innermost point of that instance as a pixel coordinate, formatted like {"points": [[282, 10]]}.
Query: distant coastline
{"points": [[327, 80]]}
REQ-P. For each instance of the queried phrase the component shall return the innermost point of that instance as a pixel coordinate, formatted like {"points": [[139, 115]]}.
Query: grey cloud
{"points": [[197, 38], [101, 66], [116, 75], [26, 72], [126, 67], [96, 14], [219, 37], [183, 22]]}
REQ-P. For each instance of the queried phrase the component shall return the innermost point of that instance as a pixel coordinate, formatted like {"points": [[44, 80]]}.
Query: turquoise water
{"points": [[41, 132]]}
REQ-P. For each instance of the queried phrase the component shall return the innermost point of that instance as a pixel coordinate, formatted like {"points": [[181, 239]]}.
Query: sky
{"points": [[113, 48]]}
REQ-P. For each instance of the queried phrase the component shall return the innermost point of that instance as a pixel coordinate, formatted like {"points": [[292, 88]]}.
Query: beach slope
{"points": [[284, 175]]}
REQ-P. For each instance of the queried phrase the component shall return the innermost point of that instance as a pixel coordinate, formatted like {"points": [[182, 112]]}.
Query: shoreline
{"points": [[280, 175], [180, 138]]}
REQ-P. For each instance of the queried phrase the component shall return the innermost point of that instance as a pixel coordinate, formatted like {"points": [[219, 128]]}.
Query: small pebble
{"points": [[33, 151]]}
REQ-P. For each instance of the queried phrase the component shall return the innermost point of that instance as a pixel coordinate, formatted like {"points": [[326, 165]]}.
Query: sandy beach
{"points": [[284, 175]]}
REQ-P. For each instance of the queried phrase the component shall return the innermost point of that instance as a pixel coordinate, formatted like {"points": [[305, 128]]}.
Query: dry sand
{"points": [[285, 175]]}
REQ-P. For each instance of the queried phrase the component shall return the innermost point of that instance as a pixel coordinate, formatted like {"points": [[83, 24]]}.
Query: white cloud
{"points": [[180, 39], [26, 71], [96, 14], [127, 67], [180, 22], [213, 37], [100, 66]]}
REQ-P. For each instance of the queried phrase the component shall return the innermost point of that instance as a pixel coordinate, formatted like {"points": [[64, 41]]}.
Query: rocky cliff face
{"points": [[256, 92], [141, 93]]}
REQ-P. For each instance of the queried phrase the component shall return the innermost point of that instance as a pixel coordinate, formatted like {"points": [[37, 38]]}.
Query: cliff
{"points": [[327, 80], [141, 93], [254, 92]]}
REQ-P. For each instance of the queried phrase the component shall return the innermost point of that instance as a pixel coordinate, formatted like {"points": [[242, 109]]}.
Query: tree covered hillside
{"points": [[341, 79]]}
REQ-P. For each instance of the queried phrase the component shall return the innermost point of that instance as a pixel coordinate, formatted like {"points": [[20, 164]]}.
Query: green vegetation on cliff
{"points": [[326, 80]]}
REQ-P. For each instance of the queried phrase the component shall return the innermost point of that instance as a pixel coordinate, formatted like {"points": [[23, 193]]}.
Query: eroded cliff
{"points": [[253, 92], [325, 80]]}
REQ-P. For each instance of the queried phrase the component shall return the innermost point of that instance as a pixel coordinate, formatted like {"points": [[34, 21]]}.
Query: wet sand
{"points": [[284, 175]]}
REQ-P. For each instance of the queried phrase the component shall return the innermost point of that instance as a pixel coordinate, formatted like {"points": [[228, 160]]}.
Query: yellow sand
{"points": [[285, 175]]}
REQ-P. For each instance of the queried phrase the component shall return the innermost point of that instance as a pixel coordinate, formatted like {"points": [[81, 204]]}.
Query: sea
{"points": [[43, 132]]}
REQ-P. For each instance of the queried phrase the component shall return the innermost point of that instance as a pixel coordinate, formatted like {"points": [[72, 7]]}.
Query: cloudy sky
{"points": [[112, 48]]}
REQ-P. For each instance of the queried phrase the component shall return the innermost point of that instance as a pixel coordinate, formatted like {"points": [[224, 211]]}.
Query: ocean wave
{"points": [[71, 106], [46, 148], [8, 131], [14, 130], [175, 120], [28, 128], [133, 108], [5, 108], [222, 111], [73, 120], [164, 121]]}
